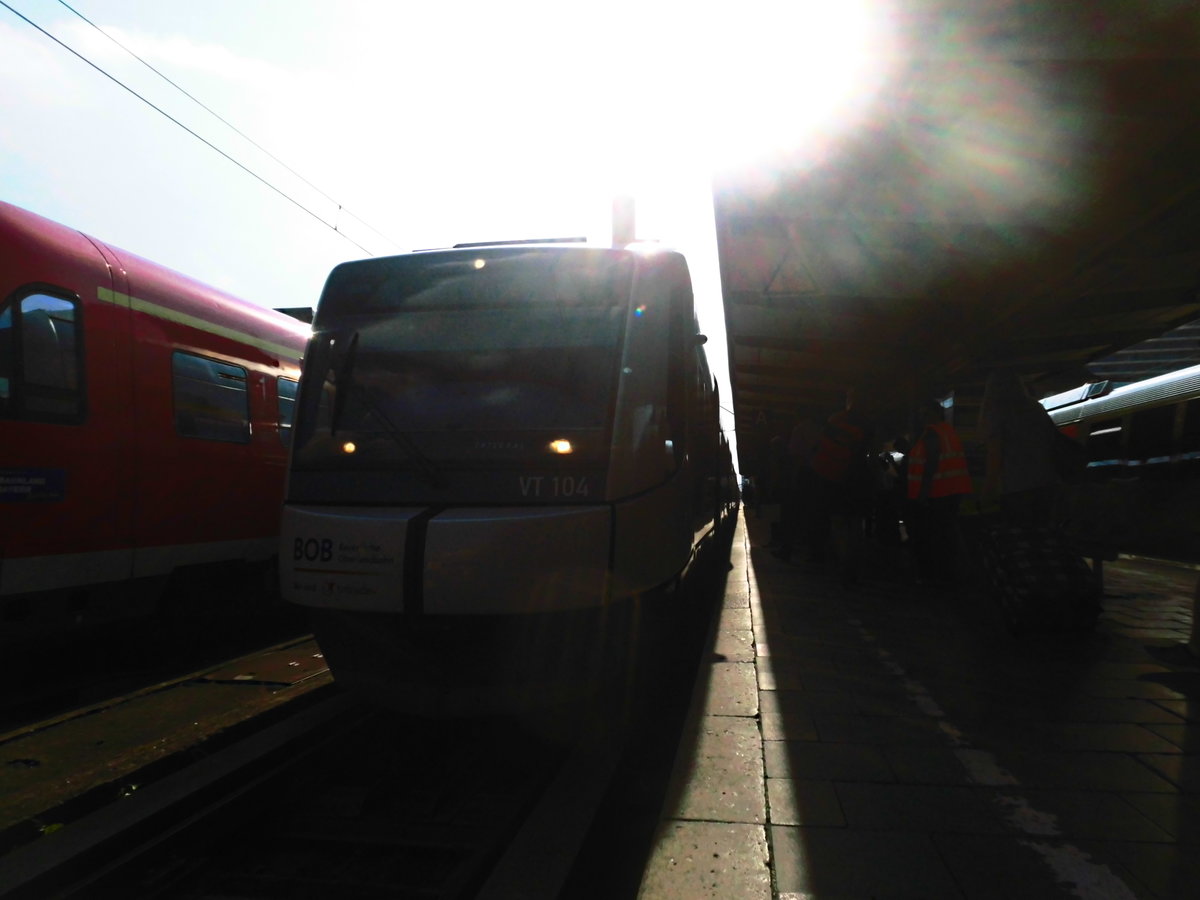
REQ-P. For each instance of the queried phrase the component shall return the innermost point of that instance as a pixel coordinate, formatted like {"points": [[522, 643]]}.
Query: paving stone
{"points": [[1083, 770], [1185, 737], [1146, 690], [732, 690], [1111, 709], [807, 663], [811, 702], [1109, 669], [734, 646], [1182, 770], [779, 674], [1003, 868], [926, 765], [708, 861], [903, 730], [922, 808], [1112, 737], [832, 862], [880, 684], [895, 703], [736, 599], [836, 762], [1188, 710], [1157, 634], [794, 725], [803, 802], [1097, 815], [1170, 871], [722, 789], [974, 706], [800, 655], [734, 736], [737, 619], [1177, 814]]}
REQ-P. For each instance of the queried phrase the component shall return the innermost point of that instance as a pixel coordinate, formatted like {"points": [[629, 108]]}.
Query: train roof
{"points": [[1156, 391], [354, 287], [168, 288], [513, 246]]}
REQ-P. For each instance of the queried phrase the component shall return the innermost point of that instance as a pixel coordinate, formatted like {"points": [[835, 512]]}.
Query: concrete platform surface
{"points": [[885, 741]]}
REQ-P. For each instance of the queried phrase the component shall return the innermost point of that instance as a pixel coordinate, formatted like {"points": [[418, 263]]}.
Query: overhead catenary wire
{"points": [[230, 125], [194, 134]]}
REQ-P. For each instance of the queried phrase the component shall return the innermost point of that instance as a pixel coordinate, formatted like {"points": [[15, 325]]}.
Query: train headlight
{"points": [[561, 446], [349, 447]]}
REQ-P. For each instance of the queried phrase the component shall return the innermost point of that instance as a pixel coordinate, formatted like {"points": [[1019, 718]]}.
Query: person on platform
{"points": [[937, 481], [844, 484]]}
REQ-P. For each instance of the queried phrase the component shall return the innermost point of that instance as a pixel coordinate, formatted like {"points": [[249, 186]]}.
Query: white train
{"points": [[1142, 493], [500, 451]]}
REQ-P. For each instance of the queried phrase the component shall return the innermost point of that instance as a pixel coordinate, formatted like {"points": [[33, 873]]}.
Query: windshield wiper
{"points": [[345, 384], [343, 375], [425, 466]]}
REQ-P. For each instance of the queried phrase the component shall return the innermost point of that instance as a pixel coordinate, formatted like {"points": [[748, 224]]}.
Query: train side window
{"points": [[41, 359], [1104, 441], [1151, 433], [8, 360], [211, 401], [1190, 439], [680, 358], [286, 390]]}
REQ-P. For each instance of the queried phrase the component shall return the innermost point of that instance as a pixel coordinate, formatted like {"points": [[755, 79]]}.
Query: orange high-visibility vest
{"points": [[951, 476]]}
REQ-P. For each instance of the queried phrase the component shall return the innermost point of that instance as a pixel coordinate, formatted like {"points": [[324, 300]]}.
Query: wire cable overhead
{"points": [[231, 126], [193, 133]]}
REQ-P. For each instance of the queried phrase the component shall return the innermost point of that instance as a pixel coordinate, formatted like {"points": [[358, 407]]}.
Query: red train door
{"points": [[66, 516]]}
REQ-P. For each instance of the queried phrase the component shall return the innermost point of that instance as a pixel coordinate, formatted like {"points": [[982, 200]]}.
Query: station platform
{"points": [[886, 741]]}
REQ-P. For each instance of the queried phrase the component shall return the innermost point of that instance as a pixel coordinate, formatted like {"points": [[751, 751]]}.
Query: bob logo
{"points": [[312, 550]]}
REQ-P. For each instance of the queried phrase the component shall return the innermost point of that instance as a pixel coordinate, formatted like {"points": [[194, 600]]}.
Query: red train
{"points": [[145, 420]]}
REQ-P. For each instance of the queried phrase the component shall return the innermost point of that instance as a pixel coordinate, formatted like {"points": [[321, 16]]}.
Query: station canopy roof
{"points": [[1023, 190]]}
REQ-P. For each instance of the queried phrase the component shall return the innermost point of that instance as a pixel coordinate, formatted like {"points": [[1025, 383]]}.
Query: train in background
{"points": [[1142, 490], [502, 454], [146, 423]]}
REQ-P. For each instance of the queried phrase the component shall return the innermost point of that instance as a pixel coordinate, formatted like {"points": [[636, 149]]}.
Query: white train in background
{"points": [[1142, 493]]}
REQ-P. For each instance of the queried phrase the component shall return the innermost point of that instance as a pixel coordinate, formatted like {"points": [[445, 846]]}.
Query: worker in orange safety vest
{"points": [[937, 466], [937, 479]]}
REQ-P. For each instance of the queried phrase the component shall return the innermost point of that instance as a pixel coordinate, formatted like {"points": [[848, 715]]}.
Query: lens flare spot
{"points": [[561, 446], [349, 447]]}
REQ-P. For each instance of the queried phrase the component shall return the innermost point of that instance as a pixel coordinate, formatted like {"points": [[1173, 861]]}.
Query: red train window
{"points": [[41, 359], [211, 402], [286, 391]]}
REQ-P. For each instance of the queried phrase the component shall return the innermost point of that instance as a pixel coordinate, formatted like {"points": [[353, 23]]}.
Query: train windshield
{"points": [[445, 359]]}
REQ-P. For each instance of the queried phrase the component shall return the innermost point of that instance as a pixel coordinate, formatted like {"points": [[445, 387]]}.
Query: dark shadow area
{"points": [[200, 619], [911, 739], [675, 637]]}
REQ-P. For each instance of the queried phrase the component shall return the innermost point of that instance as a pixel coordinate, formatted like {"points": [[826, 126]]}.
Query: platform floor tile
{"points": [[709, 861], [839, 863]]}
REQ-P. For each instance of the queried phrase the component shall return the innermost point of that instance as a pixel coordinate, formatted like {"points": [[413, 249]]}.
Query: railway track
{"points": [[340, 799], [215, 617]]}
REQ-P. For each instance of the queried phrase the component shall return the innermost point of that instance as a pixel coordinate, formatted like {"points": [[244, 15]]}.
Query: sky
{"points": [[357, 128]]}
